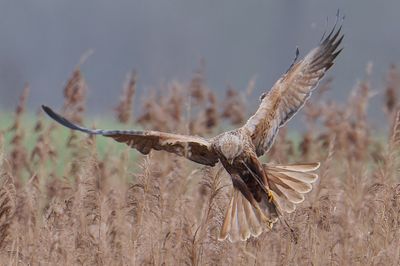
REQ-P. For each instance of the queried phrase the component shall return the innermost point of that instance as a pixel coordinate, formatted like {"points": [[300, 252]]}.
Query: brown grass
{"points": [[108, 209]]}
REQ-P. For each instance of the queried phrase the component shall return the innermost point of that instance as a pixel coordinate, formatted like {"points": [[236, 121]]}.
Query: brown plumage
{"points": [[261, 192]]}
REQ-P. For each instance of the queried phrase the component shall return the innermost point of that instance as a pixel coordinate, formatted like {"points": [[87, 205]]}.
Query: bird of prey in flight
{"points": [[261, 192]]}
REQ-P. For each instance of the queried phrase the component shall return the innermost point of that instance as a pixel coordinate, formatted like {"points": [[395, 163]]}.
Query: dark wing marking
{"points": [[291, 91], [194, 148]]}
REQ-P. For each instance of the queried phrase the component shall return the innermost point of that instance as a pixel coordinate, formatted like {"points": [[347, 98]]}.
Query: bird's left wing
{"points": [[194, 148], [291, 91]]}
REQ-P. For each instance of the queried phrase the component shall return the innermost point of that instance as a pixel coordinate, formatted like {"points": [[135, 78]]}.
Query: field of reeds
{"points": [[71, 199]]}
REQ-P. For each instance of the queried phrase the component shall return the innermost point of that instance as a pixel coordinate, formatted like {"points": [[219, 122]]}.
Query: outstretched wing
{"points": [[196, 149], [291, 91]]}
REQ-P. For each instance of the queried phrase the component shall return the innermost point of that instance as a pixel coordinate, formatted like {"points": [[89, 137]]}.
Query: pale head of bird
{"points": [[230, 146]]}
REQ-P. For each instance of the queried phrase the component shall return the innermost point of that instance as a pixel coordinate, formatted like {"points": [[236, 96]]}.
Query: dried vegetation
{"points": [[109, 209]]}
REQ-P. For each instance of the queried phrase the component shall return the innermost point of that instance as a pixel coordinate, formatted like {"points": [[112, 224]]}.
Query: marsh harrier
{"points": [[261, 192]]}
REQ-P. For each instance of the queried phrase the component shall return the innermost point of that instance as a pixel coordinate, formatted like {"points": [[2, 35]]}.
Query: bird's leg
{"points": [[264, 186], [241, 186], [256, 178]]}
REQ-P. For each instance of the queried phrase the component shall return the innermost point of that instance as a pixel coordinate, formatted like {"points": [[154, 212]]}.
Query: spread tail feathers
{"points": [[287, 184], [243, 220]]}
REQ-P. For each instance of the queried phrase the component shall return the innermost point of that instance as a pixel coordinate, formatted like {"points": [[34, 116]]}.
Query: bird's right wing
{"points": [[194, 148]]}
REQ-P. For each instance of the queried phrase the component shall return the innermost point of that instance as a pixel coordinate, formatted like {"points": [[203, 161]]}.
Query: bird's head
{"points": [[230, 146]]}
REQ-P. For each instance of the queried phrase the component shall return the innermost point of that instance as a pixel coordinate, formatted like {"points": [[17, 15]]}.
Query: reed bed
{"points": [[70, 201]]}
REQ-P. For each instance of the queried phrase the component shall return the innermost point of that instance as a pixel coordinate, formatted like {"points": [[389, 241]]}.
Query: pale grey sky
{"points": [[42, 41]]}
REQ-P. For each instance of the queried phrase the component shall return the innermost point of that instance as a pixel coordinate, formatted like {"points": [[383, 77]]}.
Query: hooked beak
{"points": [[231, 161]]}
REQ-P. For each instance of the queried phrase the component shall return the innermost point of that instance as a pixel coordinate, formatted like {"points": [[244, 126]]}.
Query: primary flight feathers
{"points": [[291, 91], [262, 192]]}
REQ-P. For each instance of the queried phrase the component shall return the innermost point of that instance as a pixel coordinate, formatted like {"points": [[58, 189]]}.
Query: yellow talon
{"points": [[270, 224], [270, 196]]}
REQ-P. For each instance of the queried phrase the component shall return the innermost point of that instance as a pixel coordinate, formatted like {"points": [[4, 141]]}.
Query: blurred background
{"points": [[43, 40]]}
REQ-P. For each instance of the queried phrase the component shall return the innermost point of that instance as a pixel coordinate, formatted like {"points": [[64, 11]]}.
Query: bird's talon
{"points": [[270, 196], [270, 224], [268, 221]]}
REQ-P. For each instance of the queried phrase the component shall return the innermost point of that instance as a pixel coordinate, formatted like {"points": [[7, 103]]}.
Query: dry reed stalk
{"points": [[20, 109], [388, 159], [114, 229], [204, 243], [211, 113], [313, 111], [233, 107], [74, 107], [143, 208], [75, 92], [197, 87], [87, 200], [173, 105], [207, 119], [43, 150], [7, 203], [153, 115], [75, 96], [124, 108], [391, 89], [18, 156], [395, 131]]}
